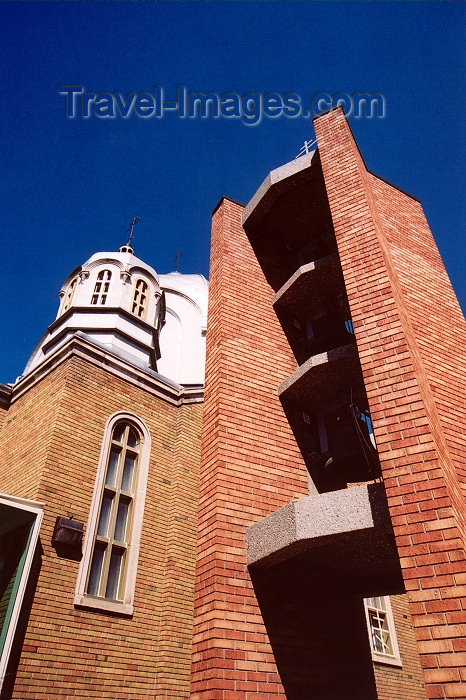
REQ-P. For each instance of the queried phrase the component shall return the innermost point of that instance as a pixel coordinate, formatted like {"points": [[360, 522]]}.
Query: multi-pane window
{"points": [[102, 286], [112, 538], [381, 629], [69, 294], [107, 573], [140, 298]]}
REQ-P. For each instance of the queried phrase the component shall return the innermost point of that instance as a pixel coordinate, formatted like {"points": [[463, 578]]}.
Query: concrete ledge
{"points": [[345, 533], [312, 518], [311, 284], [277, 181], [322, 376]]}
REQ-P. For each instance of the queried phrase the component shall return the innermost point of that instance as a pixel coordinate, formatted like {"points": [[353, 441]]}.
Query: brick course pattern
{"points": [[3, 415], [410, 335], [50, 449]]}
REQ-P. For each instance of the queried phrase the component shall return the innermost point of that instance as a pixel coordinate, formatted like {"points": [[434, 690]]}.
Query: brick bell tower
{"points": [[333, 471]]}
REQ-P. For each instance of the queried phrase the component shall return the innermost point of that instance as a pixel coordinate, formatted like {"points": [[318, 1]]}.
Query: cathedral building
{"points": [[298, 531], [100, 457]]}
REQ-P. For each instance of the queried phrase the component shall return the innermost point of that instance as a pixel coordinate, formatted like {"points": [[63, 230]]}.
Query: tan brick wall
{"points": [[3, 415], [250, 467], [389, 265], [77, 653], [173, 661], [26, 436]]}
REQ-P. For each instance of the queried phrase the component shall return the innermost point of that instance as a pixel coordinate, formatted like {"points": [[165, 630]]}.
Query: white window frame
{"points": [[388, 659], [81, 598], [36, 508]]}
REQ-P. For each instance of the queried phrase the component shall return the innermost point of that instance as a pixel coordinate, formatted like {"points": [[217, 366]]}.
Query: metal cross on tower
{"points": [[306, 148], [176, 260]]}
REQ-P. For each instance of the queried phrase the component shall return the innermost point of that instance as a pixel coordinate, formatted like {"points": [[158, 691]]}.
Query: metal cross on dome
{"points": [[176, 260], [130, 229]]}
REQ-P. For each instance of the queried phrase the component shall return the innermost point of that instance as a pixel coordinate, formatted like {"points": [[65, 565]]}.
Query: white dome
{"points": [[182, 339], [118, 301], [115, 299]]}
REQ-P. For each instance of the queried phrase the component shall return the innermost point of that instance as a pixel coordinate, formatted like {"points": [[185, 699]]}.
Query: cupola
{"points": [[115, 300]]}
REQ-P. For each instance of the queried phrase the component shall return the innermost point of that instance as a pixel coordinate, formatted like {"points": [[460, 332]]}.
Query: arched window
{"points": [[102, 285], [69, 294], [108, 569], [140, 298]]}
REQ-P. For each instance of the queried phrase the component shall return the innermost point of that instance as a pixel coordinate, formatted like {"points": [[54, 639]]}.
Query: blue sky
{"points": [[71, 186]]}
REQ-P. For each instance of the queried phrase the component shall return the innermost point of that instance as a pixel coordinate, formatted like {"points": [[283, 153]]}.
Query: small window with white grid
{"points": [[381, 629]]}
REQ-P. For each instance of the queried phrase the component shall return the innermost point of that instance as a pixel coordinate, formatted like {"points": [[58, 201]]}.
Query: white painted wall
{"points": [[182, 339]]}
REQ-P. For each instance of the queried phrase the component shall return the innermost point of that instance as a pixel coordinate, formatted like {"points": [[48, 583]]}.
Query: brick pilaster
{"points": [[250, 467]]}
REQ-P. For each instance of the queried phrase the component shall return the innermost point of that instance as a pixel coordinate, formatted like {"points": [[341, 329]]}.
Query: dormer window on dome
{"points": [[102, 286], [69, 294], [140, 296]]}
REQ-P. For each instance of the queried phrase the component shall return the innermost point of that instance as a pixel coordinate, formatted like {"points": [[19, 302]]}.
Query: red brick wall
{"points": [[389, 267], [52, 444], [434, 314], [407, 682], [250, 467]]}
